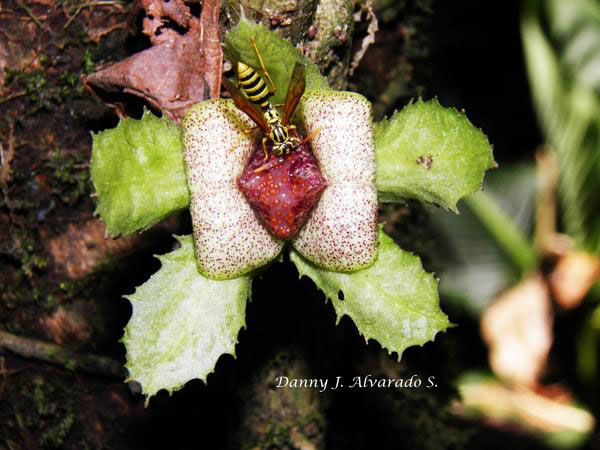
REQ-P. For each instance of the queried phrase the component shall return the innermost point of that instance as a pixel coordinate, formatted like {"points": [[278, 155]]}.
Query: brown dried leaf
{"points": [[158, 10], [165, 75], [517, 328], [531, 410], [180, 70], [573, 276]]}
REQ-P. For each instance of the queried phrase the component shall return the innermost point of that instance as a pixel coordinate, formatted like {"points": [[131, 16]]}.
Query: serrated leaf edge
{"points": [[123, 340]]}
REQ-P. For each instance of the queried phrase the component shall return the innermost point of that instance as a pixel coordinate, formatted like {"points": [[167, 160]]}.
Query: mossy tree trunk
{"points": [[323, 29]]}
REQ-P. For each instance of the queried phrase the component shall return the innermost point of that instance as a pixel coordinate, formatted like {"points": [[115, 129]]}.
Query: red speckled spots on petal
{"points": [[341, 233], [284, 191], [229, 240]]}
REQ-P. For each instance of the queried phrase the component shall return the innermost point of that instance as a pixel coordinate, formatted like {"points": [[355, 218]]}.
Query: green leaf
{"points": [[138, 173], [182, 322], [430, 153], [562, 49], [487, 247], [394, 301], [588, 346], [278, 55]]}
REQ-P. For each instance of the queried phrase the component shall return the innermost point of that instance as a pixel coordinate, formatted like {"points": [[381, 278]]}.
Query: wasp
{"points": [[257, 105]]}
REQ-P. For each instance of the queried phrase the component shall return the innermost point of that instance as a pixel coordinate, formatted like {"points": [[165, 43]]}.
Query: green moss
{"points": [[36, 294], [39, 398], [66, 285], [42, 92], [55, 436], [290, 19], [30, 81], [333, 27], [88, 63], [71, 180], [70, 364], [46, 409], [28, 254], [48, 90]]}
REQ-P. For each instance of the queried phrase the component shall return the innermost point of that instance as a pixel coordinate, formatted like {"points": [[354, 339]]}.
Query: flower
{"points": [[340, 234], [191, 310]]}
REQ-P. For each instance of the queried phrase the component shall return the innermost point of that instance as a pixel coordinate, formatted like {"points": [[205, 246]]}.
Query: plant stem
{"points": [[508, 237], [52, 353]]}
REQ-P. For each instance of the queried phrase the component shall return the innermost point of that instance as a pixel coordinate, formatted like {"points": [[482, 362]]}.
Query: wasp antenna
{"points": [[262, 65], [310, 137]]}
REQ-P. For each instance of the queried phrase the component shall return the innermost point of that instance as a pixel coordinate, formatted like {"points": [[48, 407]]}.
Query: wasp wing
{"points": [[245, 105], [294, 93]]}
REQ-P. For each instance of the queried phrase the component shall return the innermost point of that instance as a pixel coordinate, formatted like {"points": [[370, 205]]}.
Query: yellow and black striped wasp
{"points": [[256, 104]]}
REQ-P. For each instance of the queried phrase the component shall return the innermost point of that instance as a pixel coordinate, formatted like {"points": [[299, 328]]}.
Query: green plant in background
{"points": [[493, 239], [562, 50], [501, 236], [183, 318], [489, 247], [562, 62]]}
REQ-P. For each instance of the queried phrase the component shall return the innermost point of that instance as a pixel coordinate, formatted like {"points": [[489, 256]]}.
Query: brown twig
{"points": [[52, 353], [5, 172], [6, 158], [31, 15], [70, 20], [96, 34], [369, 38], [10, 97], [211, 46]]}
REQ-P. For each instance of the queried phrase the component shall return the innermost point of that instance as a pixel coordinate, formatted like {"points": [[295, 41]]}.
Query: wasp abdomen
{"points": [[253, 85]]}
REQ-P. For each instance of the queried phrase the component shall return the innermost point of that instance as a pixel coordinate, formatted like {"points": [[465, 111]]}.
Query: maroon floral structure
{"points": [[283, 190]]}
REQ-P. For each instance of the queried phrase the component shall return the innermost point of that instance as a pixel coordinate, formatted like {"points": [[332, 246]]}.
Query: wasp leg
{"points": [[267, 165], [264, 145], [239, 139], [263, 167], [250, 130], [262, 65]]}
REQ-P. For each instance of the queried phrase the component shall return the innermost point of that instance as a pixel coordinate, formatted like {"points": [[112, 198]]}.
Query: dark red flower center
{"points": [[282, 190]]}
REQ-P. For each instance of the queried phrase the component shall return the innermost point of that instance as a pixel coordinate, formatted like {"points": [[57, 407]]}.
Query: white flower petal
{"points": [[338, 234], [341, 233], [228, 238]]}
